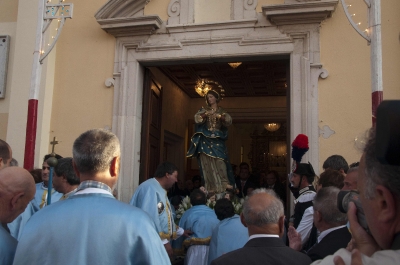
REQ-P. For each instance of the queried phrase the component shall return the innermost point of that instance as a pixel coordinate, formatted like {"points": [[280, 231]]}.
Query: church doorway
{"points": [[256, 93]]}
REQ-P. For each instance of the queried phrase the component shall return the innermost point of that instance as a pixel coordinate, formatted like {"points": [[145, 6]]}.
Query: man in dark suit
{"points": [[331, 224], [264, 218], [243, 183]]}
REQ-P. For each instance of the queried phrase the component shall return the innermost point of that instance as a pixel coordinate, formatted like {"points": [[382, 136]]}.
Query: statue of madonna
{"points": [[208, 145]]}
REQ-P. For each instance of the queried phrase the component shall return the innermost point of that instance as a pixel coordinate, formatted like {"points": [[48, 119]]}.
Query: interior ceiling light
{"points": [[272, 127], [235, 65]]}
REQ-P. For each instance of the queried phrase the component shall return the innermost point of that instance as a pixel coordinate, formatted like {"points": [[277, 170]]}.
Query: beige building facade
{"points": [[94, 77]]}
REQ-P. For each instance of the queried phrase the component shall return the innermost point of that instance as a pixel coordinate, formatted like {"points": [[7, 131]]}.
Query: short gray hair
{"points": [[352, 169], [377, 173], [94, 150], [269, 215], [325, 202]]}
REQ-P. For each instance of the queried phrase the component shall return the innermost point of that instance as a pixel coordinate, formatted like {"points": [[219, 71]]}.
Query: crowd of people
{"points": [[85, 224]]}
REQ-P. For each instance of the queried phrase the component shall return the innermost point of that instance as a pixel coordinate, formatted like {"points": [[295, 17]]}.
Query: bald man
{"points": [[263, 216], [17, 188]]}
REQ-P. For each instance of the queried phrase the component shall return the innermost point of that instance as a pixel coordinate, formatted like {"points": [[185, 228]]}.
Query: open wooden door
{"points": [[151, 127]]}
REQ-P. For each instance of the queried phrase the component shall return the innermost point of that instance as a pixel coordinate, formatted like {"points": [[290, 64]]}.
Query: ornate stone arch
{"points": [[290, 29]]}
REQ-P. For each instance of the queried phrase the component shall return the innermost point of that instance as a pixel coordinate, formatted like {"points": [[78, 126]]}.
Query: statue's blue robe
{"points": [[230, 234], [199, 219], [38, 199], [8, 244], [18, 224], [92, 228], [211, 144], [152, 198]]}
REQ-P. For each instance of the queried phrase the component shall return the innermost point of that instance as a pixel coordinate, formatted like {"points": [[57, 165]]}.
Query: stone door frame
{"points": [[288, 29]]}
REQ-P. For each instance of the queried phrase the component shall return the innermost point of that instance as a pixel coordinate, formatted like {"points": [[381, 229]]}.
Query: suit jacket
{"points": [[280, 191], [331, 243], [243, 190], [263, 251]]}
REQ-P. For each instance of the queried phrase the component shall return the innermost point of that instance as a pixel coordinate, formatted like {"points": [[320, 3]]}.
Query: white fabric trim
{"points": [[262, 235], [378, 258], [92, 190], [180, 231], [306, 223], [307, 196], [197, 255]]}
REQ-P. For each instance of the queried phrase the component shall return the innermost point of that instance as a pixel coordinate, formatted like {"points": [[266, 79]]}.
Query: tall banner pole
{"points": [[47, 12], [31, 124], [373, 36], [376, 56]]}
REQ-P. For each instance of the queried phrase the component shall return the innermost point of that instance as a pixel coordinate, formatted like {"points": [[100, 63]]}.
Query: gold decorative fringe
{"points": [[196, 241], [167, 236]]}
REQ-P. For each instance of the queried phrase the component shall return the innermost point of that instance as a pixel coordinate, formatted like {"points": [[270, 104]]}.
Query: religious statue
{"points": [[208, 145]]}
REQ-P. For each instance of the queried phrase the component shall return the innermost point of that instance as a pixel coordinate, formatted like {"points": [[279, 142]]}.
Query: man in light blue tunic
{"points": [[151, 197], [201, 220], [92, 227], [230, 234], [17, 188], [40, 200]]}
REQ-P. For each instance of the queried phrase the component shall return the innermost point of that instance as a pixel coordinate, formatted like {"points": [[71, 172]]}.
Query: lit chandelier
{"points": [[203, 86], [234, 65], [272, 127]]}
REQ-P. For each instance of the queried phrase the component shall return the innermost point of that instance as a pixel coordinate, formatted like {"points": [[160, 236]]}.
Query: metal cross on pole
{"points": [[373, 37], [54, 143], [47, 12]]}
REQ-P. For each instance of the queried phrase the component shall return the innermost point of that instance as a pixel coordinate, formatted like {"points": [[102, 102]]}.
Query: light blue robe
{"points": [[8, 244], [199, 219], [40, 190], [152, 198], [90, 229], [230, 234], [18, 224]]}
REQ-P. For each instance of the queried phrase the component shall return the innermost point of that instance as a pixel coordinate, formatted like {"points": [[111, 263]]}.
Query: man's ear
{"points": [[386, 204], [114, 167], [15, 199], [317, 216], [242, 220], [78, 174]]}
